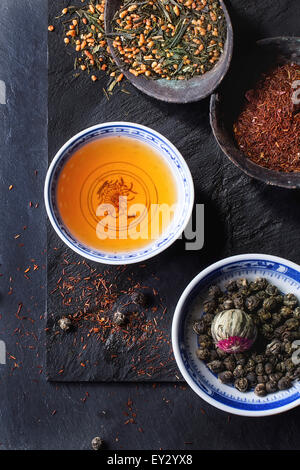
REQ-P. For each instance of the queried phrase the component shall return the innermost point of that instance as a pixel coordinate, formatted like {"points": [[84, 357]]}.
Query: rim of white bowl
{"points": [[175, 335], [110, 261]]}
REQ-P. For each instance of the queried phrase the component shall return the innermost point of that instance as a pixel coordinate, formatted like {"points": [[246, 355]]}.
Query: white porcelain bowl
{"points": [[280, 272], [173, 159]]}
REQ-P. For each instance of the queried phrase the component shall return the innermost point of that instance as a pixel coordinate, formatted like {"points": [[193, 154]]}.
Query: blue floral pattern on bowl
{"points": [[286, 276]]}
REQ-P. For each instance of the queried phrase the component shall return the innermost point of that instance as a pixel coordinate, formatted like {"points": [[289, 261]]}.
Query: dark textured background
{"points": [[241, 215]]}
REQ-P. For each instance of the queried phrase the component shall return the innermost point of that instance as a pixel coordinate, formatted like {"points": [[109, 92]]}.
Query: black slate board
{"points": [[245, 210], [138, 351]]}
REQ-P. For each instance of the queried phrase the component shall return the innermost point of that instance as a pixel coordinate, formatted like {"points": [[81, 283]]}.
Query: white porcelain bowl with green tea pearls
{"points": [[231, 322]]}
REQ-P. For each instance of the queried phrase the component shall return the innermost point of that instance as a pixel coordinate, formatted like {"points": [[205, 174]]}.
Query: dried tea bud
{"points": [[261, 294], [286, 312], [279, 299], [214, 292], [97, 443], [274, 347], [290, 300], [215, 366], [267, 331], [221, 353], [139, 298], [240, 359], [272, 290], [250, 366], [296, 313], [65, 323], [275, 376], [289, 365], [287, 336], [238, 301], [205, 343], [213, 355], [260, 390], [225, 377], [281, 367], [294, 374], [239, 371], [252, 303], [222, 299], [231, 286], [199, 326], [268, 368], [244, 292], [262, 379], [119, 318], [288, 348], [274, 359], [242, 282], [276, 319], [209, 306], [208, 318], [255, 319], [258, 358], [264, 315], [203, 354], [284, 383], [260, 370], [203, 338], [292, 324], [259, 284], [218, 309], [229, 363], [270, 304], [271, 387], [252, 379], [278, 331], [241, 384]]}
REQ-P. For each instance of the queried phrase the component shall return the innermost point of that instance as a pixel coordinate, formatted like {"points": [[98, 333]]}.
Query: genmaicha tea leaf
{"points": [[84, 31], [174, 40]]}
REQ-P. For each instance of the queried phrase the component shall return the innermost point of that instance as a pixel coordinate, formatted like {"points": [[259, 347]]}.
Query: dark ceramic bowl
{"points": [[175, 91], [226, 103]]}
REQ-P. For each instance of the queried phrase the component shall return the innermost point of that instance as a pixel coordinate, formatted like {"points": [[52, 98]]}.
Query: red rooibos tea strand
{"points": [[268, 128]]}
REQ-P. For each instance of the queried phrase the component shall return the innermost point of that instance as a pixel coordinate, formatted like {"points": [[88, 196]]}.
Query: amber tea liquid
{"points": [[109, 192]]}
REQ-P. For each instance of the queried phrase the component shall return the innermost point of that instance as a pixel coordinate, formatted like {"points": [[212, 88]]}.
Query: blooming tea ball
{"points": [[233, 331]]}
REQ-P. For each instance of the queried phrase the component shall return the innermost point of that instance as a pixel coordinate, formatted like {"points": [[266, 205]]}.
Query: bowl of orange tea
{"points": [[119, 193]]}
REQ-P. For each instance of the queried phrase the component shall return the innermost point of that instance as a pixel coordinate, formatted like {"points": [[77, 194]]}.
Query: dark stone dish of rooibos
{"points": [[175, 91], [226, 103]]}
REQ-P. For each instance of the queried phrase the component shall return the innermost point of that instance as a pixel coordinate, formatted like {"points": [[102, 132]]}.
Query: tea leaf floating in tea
{"points": [[107, 190]]}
